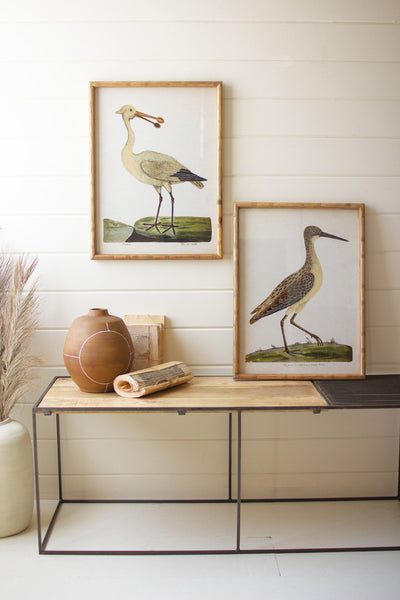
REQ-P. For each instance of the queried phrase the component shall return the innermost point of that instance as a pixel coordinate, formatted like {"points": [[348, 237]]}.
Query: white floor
{"points": [[26, 575]]}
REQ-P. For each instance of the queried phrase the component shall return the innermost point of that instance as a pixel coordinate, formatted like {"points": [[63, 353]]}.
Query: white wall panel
{"points": [[140, 487], [62, 234], [44, 157], [378, 193], [53, 118], [382, 270], [262, 78], [208, 308], [383, 345], [322, 485], [310, 113], [327, 424], [46, 195], [312, 118], [276, 485], [137, 426], [326, 456], [383, 233], [278, 41], [390, 300], [145, 427], [86, 275], [312, 156], [287, 10], [139, 457]]}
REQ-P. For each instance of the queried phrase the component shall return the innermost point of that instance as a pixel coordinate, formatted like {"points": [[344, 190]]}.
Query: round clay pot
{"points": [[16, 478], [97, 349]]}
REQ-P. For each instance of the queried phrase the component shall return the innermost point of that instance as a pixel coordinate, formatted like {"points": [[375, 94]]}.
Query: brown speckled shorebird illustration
{"points": [[297, 289]]}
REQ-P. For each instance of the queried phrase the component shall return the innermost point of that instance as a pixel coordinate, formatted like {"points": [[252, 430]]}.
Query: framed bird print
{"points": [[156, 170], [298, 291]]}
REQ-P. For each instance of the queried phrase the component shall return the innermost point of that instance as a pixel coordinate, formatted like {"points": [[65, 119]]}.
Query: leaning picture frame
{"points": [[299, 307], [146, 138]]}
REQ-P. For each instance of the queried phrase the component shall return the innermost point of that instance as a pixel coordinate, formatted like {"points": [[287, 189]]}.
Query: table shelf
{"points": [[213, 394]]}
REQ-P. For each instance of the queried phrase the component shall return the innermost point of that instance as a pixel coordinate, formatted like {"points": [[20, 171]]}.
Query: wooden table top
{"points": [[201, 393]]}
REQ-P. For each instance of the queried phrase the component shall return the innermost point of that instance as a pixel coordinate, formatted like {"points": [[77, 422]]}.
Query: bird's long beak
{"points": [[329, 235], [153, 120]]}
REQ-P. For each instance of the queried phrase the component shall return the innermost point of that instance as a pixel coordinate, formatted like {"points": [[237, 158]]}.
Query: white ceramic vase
{"points": [[16, 478]]}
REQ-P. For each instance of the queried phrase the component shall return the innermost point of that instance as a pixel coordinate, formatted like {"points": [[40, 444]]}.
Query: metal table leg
{"points": [[43, 541], [239, 479]]}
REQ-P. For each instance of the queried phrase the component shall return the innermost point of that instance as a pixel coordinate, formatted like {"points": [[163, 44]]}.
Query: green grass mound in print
{"points": [[328, 352], [187, 229], [115, 232]]}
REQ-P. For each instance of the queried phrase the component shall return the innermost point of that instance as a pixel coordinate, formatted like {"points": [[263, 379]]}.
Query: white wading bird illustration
{"points": [[154, 168], [297, 289]]}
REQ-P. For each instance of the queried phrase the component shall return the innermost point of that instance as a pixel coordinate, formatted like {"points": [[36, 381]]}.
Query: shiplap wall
{"points": [[311, 112]]}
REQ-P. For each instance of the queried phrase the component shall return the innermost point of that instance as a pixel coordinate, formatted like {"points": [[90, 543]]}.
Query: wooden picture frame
{"points": [[138, 211], [287, 323]]}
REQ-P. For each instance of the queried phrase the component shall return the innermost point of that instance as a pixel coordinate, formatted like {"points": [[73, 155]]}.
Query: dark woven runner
{"points": [[375, 391]]}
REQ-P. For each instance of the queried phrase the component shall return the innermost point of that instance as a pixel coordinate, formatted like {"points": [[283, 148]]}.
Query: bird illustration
{"points": [[154, 168], [297, 289]]}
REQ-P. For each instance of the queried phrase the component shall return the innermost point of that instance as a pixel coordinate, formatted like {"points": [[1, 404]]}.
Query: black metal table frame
{"points": [[43, 540]]}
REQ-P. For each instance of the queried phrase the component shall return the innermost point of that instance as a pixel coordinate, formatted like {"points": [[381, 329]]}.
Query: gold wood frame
{"points": [[270, 240], [123, 187]]}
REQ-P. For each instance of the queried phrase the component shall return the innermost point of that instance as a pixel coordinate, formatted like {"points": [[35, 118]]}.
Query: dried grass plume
{"points": [[19, 315]]}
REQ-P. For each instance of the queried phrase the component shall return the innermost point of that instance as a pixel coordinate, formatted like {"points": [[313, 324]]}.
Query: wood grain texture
{"points": [[216, 393]]}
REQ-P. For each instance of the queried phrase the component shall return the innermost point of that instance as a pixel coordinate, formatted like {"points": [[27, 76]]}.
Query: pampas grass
{"points": [[19, 314]]}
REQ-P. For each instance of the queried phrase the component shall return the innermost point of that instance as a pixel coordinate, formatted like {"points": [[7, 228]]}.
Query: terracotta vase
{"points": [[97, 349], [16, 478]]}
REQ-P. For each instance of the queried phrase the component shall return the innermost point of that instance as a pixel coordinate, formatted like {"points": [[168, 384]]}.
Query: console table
{"points": [[208, 394]]}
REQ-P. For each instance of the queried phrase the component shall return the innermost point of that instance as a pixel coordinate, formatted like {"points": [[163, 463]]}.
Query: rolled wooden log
{"points": [[154, 379]]}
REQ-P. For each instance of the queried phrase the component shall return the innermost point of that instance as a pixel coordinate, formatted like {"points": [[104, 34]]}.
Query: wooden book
{"points": [[147, 333]]}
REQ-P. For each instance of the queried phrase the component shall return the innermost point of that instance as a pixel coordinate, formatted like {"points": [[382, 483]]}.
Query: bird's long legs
{"points": [[171, 225], [156, 221], [283, 334], [316, 338], [292, 322]]}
